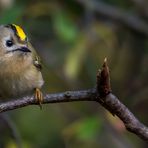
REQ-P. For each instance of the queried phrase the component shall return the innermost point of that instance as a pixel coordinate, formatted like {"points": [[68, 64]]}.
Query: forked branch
{"points": [[101, 94]]}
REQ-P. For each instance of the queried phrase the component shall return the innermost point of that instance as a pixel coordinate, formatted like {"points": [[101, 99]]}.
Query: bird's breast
{"points": [[15, 85]]}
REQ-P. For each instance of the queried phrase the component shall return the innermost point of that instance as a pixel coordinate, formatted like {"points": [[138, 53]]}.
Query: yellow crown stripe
{"points": [[20, 32]]}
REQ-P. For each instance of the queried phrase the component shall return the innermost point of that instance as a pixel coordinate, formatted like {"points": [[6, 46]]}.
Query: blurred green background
{"points": [[72, 41]]}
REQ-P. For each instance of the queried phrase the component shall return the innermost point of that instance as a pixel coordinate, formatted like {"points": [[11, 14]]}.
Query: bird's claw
{"points": [[39, 97]]}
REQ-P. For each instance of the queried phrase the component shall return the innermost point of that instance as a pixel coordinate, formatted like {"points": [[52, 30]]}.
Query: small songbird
{"points": [[20, 66]]}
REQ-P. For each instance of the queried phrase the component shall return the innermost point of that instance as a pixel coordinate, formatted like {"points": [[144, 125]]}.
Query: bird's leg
{"points": [[39, 97]]}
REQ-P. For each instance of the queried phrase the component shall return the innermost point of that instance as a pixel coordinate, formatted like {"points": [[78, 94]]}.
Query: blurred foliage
{"points": [[72, 42]]}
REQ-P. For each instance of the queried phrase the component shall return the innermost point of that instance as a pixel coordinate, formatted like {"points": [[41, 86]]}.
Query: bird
{"points": [[20, 65]]}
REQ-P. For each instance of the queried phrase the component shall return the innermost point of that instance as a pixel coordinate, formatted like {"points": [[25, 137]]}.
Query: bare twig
{"points": [[112, 104], [101, 94], [68, 96], [129, 20], [142, 6]]}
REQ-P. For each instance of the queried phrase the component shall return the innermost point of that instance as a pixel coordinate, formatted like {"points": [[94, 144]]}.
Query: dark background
{"points": [[72, 39]]}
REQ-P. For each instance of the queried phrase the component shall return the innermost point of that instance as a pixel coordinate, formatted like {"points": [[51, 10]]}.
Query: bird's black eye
{"points": [[9, 43]]}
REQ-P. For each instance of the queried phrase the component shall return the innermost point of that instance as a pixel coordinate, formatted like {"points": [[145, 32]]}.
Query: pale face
{"points": [[11, 44]]}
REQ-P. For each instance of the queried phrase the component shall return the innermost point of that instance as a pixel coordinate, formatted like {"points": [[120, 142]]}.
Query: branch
{"points": [[101, 94], [129, 20], [142, 6]]}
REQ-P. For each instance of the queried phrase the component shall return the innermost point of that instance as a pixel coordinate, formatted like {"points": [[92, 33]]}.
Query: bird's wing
{"points": [[36, 58], [37, 62]]}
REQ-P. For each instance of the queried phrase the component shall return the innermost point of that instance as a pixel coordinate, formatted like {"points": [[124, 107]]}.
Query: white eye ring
{"points": [[9, 43]]}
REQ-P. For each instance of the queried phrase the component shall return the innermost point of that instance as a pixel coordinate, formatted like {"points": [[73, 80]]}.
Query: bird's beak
{"points": [[23, 49]]}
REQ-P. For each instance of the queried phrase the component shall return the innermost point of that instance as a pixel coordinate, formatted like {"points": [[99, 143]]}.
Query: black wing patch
{"points": [[37, 63]]}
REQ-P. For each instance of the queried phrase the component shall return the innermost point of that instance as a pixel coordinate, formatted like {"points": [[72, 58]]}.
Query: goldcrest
{"points": [[20, 66]]}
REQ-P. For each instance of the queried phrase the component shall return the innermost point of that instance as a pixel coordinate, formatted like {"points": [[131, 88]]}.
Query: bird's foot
{"points": [[39, 97]]}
